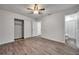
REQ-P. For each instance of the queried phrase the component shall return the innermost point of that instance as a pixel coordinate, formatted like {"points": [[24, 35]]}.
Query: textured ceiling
{"points": [[49, 9]]}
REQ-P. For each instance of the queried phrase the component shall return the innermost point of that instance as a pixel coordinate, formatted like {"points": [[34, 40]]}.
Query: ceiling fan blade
{"points": [[29, 9], [42, 9]]}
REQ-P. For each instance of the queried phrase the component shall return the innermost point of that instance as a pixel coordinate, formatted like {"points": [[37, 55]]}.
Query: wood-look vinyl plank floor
{"points": [[36, 46]]}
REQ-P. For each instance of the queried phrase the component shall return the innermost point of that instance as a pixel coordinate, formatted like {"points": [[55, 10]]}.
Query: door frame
{"points": [[22, 27]]}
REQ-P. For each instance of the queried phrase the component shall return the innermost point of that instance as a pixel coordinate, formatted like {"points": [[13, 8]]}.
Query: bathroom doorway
{"points": [[70, 30]]}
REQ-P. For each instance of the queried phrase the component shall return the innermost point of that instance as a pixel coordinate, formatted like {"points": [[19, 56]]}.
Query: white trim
{"points": [[6, 42], [53, 39]]}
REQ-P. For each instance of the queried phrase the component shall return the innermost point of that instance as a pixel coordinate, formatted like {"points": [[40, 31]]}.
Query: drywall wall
{"points": [[27, 28], [77, 30], [53, 26], [1, 29], [7, 26]]}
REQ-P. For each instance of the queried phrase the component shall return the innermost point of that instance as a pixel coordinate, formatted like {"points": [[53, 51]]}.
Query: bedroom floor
{"points": [[37, 46]]}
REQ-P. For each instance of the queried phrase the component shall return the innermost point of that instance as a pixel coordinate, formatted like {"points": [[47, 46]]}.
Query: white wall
{"points": [[7, 26], [27, 28], [77, 30], [53, 26], [1, 29]]}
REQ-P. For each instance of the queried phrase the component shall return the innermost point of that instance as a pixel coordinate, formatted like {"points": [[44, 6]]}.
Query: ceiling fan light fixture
{"points": [[36, 9], [36, 12]]}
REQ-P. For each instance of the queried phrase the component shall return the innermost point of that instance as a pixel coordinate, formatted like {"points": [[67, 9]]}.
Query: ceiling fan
{"points": [[36, 9]]}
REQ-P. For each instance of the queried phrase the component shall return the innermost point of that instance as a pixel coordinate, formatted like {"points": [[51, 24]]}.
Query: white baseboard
{"points": [[1, 43], [53, 39]]}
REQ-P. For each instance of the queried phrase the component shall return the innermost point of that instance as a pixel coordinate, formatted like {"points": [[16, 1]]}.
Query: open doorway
{"points": [[70, 30], [18, 29], [36, 28]]}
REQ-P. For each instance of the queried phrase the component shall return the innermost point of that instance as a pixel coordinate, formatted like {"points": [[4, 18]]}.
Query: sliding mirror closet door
{"points": [[18, 29]]}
